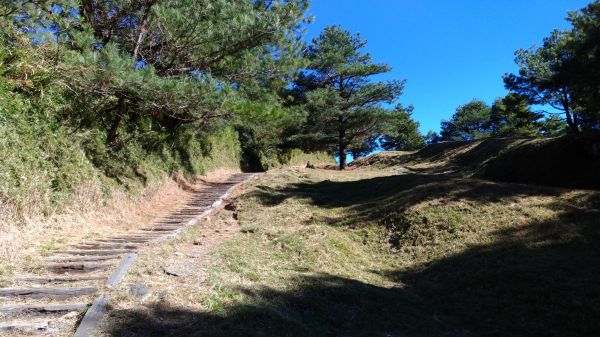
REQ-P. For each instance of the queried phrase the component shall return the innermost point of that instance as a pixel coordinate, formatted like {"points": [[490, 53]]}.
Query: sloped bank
{"points": [[568, 161]]}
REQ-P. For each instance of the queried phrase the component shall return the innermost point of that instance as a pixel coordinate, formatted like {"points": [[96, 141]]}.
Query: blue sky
{"points": [[449, 51]]}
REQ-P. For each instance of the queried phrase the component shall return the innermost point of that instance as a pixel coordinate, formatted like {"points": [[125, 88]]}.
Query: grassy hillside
{"points": [[300, 158], [43, 168], [568, 161], [388, 252]]}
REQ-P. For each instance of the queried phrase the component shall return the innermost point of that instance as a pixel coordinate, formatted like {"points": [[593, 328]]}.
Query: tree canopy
{"points": [[469, 122], [540, 78], [583, 68], [512, 116], [563, 72], [402, 131], [342, 102], [156, 77], [159, 75]]}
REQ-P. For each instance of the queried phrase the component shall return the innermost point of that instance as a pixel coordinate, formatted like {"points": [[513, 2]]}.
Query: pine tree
{"points": [[403, 131], [344, 105], [469, 122], [512, 116]]}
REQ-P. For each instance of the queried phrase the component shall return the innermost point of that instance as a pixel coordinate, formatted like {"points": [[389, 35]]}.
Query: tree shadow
{"points": [[368, 200], [454, 155], [538, 278], [541, 279], [569, 161], [321, 305]]}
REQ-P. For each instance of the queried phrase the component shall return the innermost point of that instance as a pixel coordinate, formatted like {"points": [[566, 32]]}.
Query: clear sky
{"points": [[449, 51]]}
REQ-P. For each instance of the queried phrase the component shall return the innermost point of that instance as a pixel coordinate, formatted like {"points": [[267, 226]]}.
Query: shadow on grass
{"points": [[369, 199], [542, 279], [534, 278], [321, 305]]}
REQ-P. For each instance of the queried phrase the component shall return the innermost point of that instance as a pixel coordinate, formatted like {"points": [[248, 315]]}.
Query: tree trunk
{"points": [[571, 119], [141, 32], [342, 149], [112, 134], [342, 152]]}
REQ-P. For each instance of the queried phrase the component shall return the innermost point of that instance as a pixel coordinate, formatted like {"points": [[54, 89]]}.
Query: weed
{"points": [[248, 229]]}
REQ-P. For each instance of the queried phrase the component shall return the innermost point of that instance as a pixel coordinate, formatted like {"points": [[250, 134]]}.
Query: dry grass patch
{"points": [[371, 252], [24, 244], [290, 271]]}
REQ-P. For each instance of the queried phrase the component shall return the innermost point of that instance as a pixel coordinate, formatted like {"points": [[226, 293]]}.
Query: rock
{"points": [[70, 315], [171, 272], [197, 243], [180, 269], [138, 289], [163, 294]]}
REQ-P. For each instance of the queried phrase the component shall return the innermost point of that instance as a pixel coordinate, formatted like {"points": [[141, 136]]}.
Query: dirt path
{"points": [[50, 302]]}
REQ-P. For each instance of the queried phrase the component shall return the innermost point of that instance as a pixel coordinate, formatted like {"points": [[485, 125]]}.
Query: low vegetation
{"points": [[394, 251], [568, 161]]}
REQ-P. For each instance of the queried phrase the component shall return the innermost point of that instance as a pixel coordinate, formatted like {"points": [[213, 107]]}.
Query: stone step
{"points": [[24, 326], [104, 245], [61, 279], [96, 252], [82, 258], [42, 308], [77, 267], [57, 293]]}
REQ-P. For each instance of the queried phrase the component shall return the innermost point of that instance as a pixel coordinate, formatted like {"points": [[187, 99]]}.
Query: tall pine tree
{"points": [[344, 105]]}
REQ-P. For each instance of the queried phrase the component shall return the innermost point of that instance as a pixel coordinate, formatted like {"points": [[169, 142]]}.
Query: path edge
{"points": [[94, 314]]}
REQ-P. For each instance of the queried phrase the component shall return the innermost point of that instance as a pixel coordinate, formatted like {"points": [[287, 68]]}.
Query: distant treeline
{"points": [[562, 74]]}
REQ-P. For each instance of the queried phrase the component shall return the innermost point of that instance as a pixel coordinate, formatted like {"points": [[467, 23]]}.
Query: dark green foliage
{"points": [[512, 116], [362, 149], [343, 103], [431, 137], [540, 78], [584, 67], [470, 121], [263, 132], [564, 72], [508, 116], [403, 131], [233, 40], [552, 126]]}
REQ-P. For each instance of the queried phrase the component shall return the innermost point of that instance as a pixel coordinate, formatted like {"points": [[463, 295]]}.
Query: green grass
{"points": [[43, 169], [300, 158], [568, 161], [371, 253]]}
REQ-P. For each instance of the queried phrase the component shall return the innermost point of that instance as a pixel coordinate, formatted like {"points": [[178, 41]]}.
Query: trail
{"points": [[50, 303]]}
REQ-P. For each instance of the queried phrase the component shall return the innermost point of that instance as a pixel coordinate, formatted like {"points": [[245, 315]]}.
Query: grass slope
{"points": [[370, 252], [568, 161]]}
